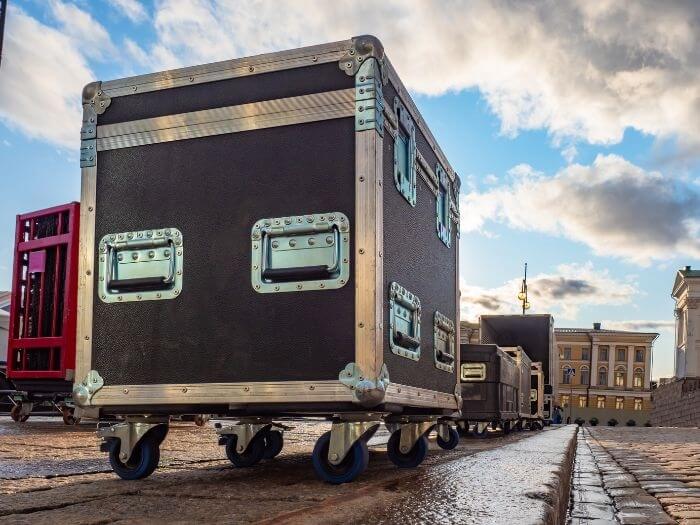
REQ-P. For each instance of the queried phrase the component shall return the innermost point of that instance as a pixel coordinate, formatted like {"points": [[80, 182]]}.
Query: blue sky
{"points": [[576, 139]]}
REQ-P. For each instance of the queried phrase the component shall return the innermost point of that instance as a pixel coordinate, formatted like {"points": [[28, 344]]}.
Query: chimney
{"points": [[687, 268], [596, 326]]}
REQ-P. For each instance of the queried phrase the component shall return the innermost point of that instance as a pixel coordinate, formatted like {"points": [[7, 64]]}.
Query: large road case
{"points": [[491, 383], [265, 237]]}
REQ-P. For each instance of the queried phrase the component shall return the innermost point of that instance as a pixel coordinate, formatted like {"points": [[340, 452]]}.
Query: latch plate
{"points": [[443, 206], [144, 265], [444, 342], [404, 322], [405, 153], [300, 253]]}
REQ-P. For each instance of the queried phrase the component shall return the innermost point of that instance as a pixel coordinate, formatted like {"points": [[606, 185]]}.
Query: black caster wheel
{"points": [[410, 459], [143, 461], [273, 444], [483, 434], [506, 427], [69, 416], [252, 455], [350, 468], [518, 426], [450, 443], [463, 430], [16, 416]]}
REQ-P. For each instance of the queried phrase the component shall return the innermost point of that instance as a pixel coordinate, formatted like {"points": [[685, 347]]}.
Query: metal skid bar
{"points": [[129, 433]]}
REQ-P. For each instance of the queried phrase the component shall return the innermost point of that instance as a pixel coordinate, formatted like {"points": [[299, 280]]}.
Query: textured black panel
{"points": [[214, 189], [230, 92], [416, 258]]}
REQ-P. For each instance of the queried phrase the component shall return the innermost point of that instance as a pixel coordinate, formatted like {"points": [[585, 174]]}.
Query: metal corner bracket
{"points": [[83, 391], [95, 102], [363, 48], [366, 391]]}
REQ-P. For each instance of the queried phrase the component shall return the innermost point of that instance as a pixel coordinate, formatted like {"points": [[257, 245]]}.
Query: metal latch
{"points": [[305, 252], [141, 266], [444, 342], [443, 201], [404, 322], [473, 371]]}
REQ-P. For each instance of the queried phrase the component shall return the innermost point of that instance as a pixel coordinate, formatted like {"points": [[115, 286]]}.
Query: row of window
{"points": [[600, 402], [603, 353], [619, 377]]}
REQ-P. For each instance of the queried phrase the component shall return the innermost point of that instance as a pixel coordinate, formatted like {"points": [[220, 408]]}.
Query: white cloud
{"points": [[569, 153], [561, 293], [132, 9], [585, 70], [43, 73], [88, 35], [616, 208]]}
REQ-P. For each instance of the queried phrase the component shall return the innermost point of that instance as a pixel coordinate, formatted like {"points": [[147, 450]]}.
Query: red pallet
{"points": [[44, 295]]}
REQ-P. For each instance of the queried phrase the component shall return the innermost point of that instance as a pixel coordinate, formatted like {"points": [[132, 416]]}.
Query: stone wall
{"points": [[677, 404]]}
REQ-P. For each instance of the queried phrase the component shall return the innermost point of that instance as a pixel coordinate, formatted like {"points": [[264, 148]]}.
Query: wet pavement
{"points": [[637, 476], [51, 473]]}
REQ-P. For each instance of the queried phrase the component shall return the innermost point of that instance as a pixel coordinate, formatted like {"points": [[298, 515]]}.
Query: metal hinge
{"points": [[95, 102], [83, 392], [367, 392], [369, 97]]}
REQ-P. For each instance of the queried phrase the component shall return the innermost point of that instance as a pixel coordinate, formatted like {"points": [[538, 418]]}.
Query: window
{"points": [[602, 376], [603, 353], [620, 377], [585, 376], [585, 353], [565, 400], [582, 401], [638, 354], [619, 403], [567, 352], [638, 378], [621, 353], [638, 403], [600, 402], [565, 378]]}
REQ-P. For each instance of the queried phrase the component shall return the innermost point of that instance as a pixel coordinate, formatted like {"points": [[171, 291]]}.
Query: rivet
{"points": [[138, 297], [90, 208], [314, 59], [119, 298], [352, 51], [87, 337], [251, 69], [167, 233], [275, 244], [361, 325], [179, 252], [151, 254], [292, 243], [247, 388], [345, 260], [191, 79], [299, 287], [149, 234], [362, 251], [166, 253], [129, 235], [288, 221], [120, 257], [176, 292], [134, 88], [334, 457], [277, 288], [126, 390], [342, 281], [310, 219], [184, 390], [135, 255], [380, 254], [362, 179], [312, 387], [104, 297], [312, 241], [159, 295], [257, 287], [329, 239], [88, 272], [321, 285]]}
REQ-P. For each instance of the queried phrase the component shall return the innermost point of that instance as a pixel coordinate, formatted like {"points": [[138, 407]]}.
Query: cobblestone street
{"points": [[636, 476]]}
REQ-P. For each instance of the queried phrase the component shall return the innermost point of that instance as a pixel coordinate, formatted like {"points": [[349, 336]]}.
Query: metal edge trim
{"points": [[414, 396], [369, 244], [230, 119], [222, 393], [417, 117], [238, 67]]}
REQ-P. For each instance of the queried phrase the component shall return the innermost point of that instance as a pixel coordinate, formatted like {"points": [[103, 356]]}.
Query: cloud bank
{"points": [[616, 208]]}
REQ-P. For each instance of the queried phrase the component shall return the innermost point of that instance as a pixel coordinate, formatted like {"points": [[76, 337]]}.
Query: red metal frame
{"points": [[28, 334]]}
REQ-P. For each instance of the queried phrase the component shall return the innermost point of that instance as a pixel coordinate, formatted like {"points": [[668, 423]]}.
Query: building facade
{"points": [[686, 293], [611, 369]]}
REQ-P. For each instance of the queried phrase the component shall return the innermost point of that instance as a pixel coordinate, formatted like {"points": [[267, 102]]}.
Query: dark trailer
{"points": [[267, 237], [534, 334]]}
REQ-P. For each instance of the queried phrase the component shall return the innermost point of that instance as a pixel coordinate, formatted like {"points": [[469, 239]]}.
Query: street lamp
{"points": [[522, 295]]}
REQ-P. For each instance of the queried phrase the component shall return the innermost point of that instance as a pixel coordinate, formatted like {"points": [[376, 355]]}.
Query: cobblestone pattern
{"points": [[644, 470], [677, 404]]}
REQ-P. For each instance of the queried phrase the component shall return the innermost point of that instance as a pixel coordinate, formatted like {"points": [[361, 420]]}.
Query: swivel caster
{"points": [[506, 427], [463, 428], [248, 457], [451, 443], [143, 461], [481, 430], [274, 441], [17, 415], [354, 463], [68, 414], [411, 458]]}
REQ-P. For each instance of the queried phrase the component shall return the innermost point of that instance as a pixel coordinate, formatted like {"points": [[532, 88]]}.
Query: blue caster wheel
{"points": [[273, 444], [143, 461], [483, 433], [410, 459], [451, 443], [350, 468], [248, 458]]}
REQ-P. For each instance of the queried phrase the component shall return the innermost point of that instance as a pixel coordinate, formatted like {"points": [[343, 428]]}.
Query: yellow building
{"points": [[612, 369]]}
